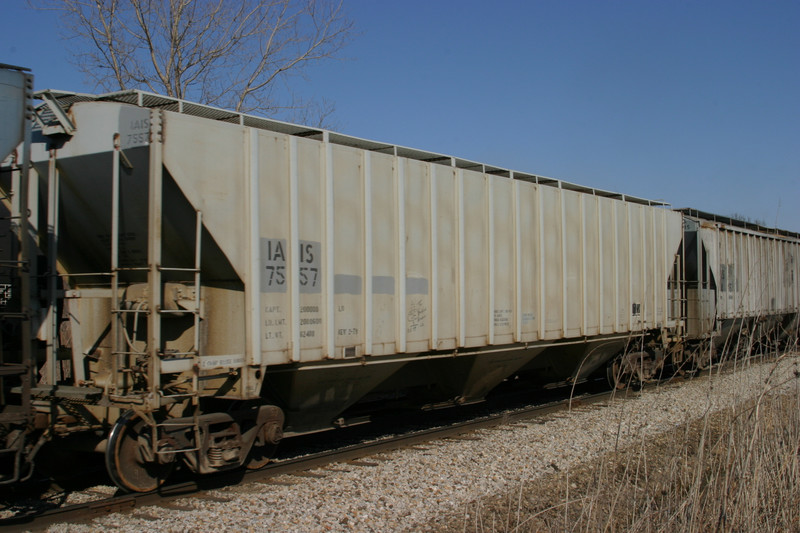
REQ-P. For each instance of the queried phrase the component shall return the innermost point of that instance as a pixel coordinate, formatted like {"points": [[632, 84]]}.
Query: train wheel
{"points": [[266, 443], [615, 375], [704, 356], [126, 456], [260, 456], [623, 372]]}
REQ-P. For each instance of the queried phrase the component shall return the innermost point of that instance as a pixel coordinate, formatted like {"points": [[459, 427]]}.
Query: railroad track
{"points": [[355, 454]]}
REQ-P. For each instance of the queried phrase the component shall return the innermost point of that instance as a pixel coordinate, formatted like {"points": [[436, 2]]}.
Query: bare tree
{"points": [[234, 54], [744, 218]]}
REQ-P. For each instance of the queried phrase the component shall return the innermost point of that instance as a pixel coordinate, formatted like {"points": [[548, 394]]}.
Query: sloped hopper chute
{"points": [[12, 110], [207, 161]]}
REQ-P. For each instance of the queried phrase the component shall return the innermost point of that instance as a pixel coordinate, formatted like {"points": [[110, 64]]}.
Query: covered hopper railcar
{"points": [[198, 283], [741, 283]]}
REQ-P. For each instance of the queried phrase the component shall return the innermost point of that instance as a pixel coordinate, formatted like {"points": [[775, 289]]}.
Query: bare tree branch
{"points": [[218, 52]]}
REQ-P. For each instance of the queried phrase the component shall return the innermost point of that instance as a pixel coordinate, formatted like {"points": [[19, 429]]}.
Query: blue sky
{"points": [[694, 103]]}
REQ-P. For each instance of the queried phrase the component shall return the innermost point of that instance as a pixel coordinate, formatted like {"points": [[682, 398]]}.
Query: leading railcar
{"points": [[182, 283]]}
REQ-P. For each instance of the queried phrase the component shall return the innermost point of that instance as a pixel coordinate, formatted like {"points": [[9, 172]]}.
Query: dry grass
{"points": [[733, 470]]}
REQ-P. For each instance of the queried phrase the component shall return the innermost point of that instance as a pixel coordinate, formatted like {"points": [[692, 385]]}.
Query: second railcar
{"points": [[742, 287]]}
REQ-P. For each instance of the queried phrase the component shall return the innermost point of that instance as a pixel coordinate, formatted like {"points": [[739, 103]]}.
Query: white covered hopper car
{"points": [[187, 283]]}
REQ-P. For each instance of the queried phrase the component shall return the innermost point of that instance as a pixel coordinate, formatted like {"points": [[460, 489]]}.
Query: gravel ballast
{"points": [[413, 489]]}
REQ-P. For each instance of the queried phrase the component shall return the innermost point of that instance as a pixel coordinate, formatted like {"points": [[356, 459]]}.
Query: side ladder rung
{"points": [[13, 369], [13, 315], [13, 418]]}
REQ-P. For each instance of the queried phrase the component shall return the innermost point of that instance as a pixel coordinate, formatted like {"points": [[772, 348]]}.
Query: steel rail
{"points": [[127, 502], [83, 512]]}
